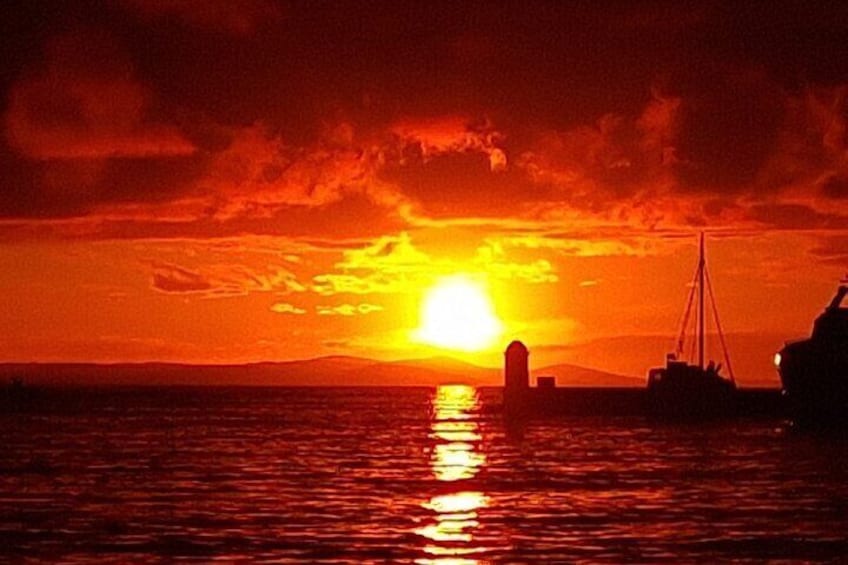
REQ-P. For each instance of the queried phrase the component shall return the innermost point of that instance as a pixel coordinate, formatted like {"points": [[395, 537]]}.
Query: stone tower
{"points": [[516, 372]]}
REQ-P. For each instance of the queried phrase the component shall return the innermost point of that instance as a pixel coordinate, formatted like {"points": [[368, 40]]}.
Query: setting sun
{"points": [[457, 314]]}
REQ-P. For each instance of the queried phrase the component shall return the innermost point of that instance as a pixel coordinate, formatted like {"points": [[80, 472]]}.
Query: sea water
{"points": [[402, 475]]}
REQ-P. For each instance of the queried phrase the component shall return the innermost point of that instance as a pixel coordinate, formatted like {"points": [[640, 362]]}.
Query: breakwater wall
{"points": [[584, 401]]}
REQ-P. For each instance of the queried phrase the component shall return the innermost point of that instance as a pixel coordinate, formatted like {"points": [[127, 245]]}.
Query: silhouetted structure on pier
{"points": [[516, 367], [516, 376]]}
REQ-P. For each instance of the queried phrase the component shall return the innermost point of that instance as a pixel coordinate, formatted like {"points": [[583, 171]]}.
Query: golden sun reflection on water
{"points": [[456, 461], [455, 457]]}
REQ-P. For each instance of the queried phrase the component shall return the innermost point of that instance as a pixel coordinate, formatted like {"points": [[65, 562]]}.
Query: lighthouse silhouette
{"points": [[516, 372]]}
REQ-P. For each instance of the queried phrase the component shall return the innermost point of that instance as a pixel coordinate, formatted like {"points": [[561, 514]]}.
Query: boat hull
{"points": [[687, 392], [814, 378]]}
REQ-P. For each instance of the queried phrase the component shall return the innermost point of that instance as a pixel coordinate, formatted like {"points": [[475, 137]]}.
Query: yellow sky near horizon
{"points": [[256, 299]]}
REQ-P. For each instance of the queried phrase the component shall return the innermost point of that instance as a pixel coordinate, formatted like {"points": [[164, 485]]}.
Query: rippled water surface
{"points": [[402, 475]]}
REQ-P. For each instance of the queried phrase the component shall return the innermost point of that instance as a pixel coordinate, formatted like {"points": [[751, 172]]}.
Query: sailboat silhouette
{"points": [[686, 390]]}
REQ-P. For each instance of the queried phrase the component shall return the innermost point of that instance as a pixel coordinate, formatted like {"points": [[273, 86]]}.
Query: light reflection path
{"points": [[449, 536]]}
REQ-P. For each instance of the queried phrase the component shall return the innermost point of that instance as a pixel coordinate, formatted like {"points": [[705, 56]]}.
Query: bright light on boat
{"points": [[777, 359]]}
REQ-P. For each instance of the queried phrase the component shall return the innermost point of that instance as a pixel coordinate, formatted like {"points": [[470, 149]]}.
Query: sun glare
{"points": [[457, 314]]}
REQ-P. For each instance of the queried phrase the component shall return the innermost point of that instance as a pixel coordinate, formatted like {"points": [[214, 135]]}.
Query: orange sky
{"points": [[258, 180]]}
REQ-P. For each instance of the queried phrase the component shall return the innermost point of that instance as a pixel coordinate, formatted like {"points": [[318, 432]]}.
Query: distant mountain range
{"points": [[574, 375], [323, 371]]}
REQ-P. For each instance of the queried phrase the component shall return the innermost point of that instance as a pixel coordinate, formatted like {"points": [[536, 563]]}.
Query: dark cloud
{"points": [[598, 165], [835, 187], [85, 103], [171, 279], [222, 280], [796, 217], [176, 118], [728, 126], [831, 250], [352, 218], [239, 17]]}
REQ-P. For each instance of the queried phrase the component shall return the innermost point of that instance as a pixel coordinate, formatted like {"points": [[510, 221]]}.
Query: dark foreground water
{"points": [[402, 475]]}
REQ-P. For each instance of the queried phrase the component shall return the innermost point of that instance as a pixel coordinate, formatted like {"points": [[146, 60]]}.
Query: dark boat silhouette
{"points": [[814, 371], [684, 390]]}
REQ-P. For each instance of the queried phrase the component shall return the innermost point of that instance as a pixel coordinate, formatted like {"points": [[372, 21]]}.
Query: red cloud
{"points": [[259, 173], [452, 134]]}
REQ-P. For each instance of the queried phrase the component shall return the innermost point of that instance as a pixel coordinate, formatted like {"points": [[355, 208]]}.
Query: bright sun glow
{"points": [[457, 314]]}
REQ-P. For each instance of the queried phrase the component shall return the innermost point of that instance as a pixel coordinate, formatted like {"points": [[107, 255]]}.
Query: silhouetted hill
{"points": [[322, 371], [438, 370], [573, 375]]}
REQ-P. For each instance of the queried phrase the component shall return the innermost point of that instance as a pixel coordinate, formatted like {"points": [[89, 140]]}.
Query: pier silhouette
{"points": [[522, 400]]}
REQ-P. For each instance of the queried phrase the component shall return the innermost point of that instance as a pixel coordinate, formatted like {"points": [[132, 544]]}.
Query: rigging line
{"points": [[694, 345], [692, 319], [686, 313], [718, 327]]}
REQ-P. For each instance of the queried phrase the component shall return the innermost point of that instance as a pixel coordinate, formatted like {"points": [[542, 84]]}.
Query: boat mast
{"points": [[701, 265]]}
